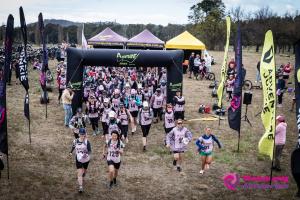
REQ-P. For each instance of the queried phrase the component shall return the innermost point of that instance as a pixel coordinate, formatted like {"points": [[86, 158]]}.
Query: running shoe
{"points": [[201, 171], [179, 169], [80, 190]]}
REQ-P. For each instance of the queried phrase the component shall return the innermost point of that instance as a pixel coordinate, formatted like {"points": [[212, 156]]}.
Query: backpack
{"points": [[118, 144]]}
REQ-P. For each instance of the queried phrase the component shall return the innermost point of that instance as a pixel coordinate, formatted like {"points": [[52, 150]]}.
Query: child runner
{"points": [[179, 102], [177, 139], [113, 150], [205, 145], [83, 150], [145, 117], [229, 86]]}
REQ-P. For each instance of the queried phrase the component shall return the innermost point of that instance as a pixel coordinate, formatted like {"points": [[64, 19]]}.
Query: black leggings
{"points": [[145, 129], [124, 130], [60, 91], [94, 122], [280, 98], [105, 128]]}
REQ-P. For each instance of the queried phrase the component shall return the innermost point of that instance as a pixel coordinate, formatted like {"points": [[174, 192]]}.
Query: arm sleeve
{"points": [[217, 141], [189, 135], [73, 146], [89, 147], [169, 136], [198, 144]]}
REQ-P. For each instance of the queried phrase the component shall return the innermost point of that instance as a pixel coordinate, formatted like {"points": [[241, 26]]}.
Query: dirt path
{"points": [[43, 169]]}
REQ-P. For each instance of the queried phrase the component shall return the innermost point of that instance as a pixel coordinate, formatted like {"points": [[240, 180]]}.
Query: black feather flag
{"points": [[45, 61], [3, 77], [234, 111], [22, 68]]}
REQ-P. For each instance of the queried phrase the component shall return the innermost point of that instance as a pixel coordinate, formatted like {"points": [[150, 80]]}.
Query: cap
{"points": [[145, 104], [158, 89], [82, 131], [111, 114], [101, 87], [106, 100], [280, 118], [140, 86], [121, 105], [133, 91], [127, 85], [117, 91]]}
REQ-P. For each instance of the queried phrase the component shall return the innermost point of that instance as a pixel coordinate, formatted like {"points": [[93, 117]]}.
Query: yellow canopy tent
{"points": [[185, 41]]}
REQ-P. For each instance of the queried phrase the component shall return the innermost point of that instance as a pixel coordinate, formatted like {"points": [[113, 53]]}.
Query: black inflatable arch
{"points": [[77, 58]]}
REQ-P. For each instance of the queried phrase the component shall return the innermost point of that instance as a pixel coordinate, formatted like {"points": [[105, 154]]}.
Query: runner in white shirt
{"points": [[112, 151]]}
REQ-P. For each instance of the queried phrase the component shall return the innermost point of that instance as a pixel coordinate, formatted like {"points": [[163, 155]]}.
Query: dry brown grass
{"points": [[43, 169]]}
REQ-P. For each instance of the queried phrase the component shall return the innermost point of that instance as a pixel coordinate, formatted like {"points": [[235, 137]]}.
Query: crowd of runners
{"points": [[115, 102]]}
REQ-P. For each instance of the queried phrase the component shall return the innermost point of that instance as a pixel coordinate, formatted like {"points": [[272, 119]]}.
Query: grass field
{"points": [[43, 170]]}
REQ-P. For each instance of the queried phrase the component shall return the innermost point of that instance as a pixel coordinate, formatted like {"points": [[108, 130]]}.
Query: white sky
{"points": [[125, 11]]}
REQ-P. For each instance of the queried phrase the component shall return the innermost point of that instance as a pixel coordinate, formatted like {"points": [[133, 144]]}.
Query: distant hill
{"points": [[61, 22]]}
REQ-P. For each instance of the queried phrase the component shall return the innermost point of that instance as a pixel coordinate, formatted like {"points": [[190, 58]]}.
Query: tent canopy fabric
{"points": [[107, 38], [185, 41], [145, 39]]}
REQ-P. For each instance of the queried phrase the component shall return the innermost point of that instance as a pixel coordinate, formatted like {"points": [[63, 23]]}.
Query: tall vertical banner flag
{"points": [[23, 73], [234, 111], [267, 73], [297, 88], [83, 39], [45, 60], [295, 161], [224, 65], [3, 77]]}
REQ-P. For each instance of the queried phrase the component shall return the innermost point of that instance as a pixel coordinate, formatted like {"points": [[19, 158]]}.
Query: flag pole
{"points": [[29, 131], [274, 132]]}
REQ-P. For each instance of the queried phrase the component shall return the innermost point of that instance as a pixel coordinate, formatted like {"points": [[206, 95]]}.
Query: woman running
{"points": [[104, 117], [93, 108], [83, 151], [77, 122], [179, 103], [133, 103], [177, 139], [124, 116], [205, 145], [169, 120], [145, 117], [112, 151], [157, 103]]}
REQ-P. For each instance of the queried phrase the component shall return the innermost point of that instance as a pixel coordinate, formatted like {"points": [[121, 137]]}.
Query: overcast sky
{"points": [[126, 11]]}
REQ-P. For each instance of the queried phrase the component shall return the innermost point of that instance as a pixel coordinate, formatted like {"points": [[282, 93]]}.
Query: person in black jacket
{"points": [[191, 63]]}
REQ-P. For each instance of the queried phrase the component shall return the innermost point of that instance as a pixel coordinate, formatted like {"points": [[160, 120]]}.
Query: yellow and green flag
{"points": [[267, 73], [224, 65]]}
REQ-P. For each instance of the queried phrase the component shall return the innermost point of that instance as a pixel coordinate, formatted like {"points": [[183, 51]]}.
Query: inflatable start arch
{"points": [[77, 58]]}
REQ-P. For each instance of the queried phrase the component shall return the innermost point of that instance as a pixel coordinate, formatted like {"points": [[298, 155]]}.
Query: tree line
{"points": [[206, 22]]}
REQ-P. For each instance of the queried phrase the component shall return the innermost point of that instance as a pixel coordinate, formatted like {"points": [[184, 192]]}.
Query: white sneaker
{"points": [[201, 171], [279, 105], [80, 189]]}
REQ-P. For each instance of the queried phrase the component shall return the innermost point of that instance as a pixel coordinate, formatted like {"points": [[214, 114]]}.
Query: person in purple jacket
{"points": [[205, 144], [177, 140]]}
